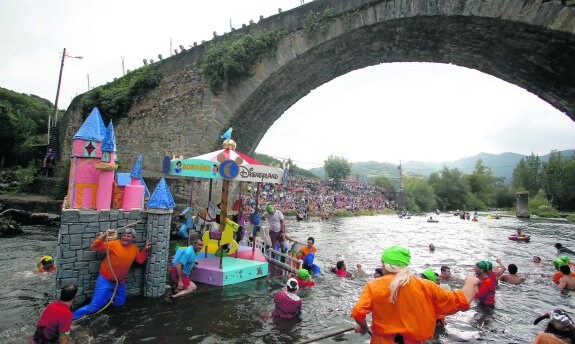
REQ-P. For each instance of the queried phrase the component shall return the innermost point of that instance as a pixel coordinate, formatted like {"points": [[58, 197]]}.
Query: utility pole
{"points": [[58, 92], [88, 81], [231, 27], [171, 47], [123, 70]]}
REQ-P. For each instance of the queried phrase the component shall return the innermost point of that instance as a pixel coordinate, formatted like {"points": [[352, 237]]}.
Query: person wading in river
{"points": [[408, 316], [55, 322], [114, 269]]}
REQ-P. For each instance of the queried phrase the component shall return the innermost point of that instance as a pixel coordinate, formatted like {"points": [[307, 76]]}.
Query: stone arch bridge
{"points": [[529, 43]]}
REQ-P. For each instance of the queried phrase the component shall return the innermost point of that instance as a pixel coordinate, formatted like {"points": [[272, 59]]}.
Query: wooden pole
{"points": [[333, 334]]}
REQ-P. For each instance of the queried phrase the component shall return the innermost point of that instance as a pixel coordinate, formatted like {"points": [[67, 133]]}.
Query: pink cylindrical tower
{"points": [[134, 193]]}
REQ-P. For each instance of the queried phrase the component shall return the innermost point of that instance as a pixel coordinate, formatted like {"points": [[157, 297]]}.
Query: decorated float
{"points": [[224, 261]]}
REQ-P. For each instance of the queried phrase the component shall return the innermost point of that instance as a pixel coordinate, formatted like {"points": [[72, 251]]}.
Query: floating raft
{"points": [[246, 266]]}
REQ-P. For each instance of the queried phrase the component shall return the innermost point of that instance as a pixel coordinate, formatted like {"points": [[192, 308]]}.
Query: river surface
{"points": [[241, 313]]}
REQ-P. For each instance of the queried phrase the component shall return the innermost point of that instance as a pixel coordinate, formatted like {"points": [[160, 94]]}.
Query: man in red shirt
{"points": [[56, 320], [114, 269]]}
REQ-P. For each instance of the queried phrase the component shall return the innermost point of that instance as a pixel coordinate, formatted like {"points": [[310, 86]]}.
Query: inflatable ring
{"points": [[522, 237]]}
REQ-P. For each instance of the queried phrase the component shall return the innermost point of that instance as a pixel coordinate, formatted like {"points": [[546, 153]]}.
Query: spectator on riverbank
{"points": [[55, 323]]}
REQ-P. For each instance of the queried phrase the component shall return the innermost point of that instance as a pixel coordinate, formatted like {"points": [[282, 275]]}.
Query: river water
{"points": [[241, 313]]}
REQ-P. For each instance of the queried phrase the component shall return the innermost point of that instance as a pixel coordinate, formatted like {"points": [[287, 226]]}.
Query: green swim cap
{"points": [[396, 255], [270, 208], [484, 265], [304, 274], [565, 259], [558, 263], [430, 275]]}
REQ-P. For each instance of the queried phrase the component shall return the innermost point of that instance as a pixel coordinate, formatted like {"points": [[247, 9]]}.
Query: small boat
{"points": [[432, 221], [300, 217], [522, 237]]}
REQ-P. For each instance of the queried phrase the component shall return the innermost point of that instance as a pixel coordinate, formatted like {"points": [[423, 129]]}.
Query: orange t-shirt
{"points": [[549, 338], [419, 304], [121, 258], [305, 250], [558, 276]]}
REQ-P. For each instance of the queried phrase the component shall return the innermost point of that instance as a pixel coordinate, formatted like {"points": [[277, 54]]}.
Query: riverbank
{"points": [[31, 203], [344, 212]]}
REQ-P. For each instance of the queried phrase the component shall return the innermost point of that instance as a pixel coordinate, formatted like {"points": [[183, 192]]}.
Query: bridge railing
{"points": [[285, 260]]}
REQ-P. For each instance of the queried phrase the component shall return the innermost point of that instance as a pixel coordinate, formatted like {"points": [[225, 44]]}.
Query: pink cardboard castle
{"points": [[93, 169]]}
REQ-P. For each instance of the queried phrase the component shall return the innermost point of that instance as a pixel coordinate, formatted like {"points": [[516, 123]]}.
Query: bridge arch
{"points": [[529, 43]]}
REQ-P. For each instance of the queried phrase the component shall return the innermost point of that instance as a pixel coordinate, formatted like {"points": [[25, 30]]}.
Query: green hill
{"points": [[501, 165]]}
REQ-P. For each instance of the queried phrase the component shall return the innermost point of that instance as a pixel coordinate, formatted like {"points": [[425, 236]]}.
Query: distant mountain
{"points": [[501, 165]]}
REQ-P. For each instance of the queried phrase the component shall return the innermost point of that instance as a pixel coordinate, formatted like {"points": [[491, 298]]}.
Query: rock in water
{"points": [[9, 227]]}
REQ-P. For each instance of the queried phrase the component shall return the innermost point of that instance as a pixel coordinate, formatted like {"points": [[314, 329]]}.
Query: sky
{"points": [[393, 112]]}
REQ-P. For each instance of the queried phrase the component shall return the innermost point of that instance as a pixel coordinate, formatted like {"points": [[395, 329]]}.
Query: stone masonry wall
{"points": [[78, 264]]}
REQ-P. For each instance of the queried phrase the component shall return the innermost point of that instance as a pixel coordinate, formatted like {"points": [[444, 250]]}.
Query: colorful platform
{"points": [[235, 270]]}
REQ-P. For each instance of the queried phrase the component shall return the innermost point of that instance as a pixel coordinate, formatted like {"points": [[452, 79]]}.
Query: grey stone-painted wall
{"points": [[78, 264]]}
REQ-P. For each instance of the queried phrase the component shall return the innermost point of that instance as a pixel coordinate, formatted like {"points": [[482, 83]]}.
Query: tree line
{"points": [[550, 184]]}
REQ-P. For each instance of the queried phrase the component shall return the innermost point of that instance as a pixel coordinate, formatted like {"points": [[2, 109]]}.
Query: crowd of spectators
{"points": [[317, 196]]}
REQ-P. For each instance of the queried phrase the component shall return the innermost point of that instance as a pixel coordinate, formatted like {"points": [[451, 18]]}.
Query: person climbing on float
{"points": [[304, 279], [307, 254], [393, 298], [111, 281], [46, 264]]}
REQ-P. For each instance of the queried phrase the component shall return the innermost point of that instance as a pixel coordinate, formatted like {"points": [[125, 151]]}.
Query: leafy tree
{"points": [[527, 174], [387, 185], [337, 168], [482, 184], [451, 188], [568, 201], [553, 177], [420, 195]]}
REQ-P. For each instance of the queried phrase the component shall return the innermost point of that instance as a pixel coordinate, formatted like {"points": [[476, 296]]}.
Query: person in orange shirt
{"points": [[558, 263], [114, 269], [408, 316], [560, 328], [310, 248]]}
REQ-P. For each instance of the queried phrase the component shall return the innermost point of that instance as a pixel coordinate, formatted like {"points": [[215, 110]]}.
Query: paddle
{"points": [[332, 334]]}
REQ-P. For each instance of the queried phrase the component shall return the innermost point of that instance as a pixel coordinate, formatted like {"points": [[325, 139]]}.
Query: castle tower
{"points": [[106, 167], [134, 193], [160, 207], [86, 153]]}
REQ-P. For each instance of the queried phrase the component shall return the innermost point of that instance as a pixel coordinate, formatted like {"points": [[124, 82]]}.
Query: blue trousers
{"points": [[102, 294]]}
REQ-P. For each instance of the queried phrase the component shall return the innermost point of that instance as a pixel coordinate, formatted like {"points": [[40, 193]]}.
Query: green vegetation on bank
{"points": [[23, 124], [115, 98], [231, 57], [294, 170]]}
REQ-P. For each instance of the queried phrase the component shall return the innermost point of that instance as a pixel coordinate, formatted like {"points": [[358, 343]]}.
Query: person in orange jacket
{"points": [[409, 315]]}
